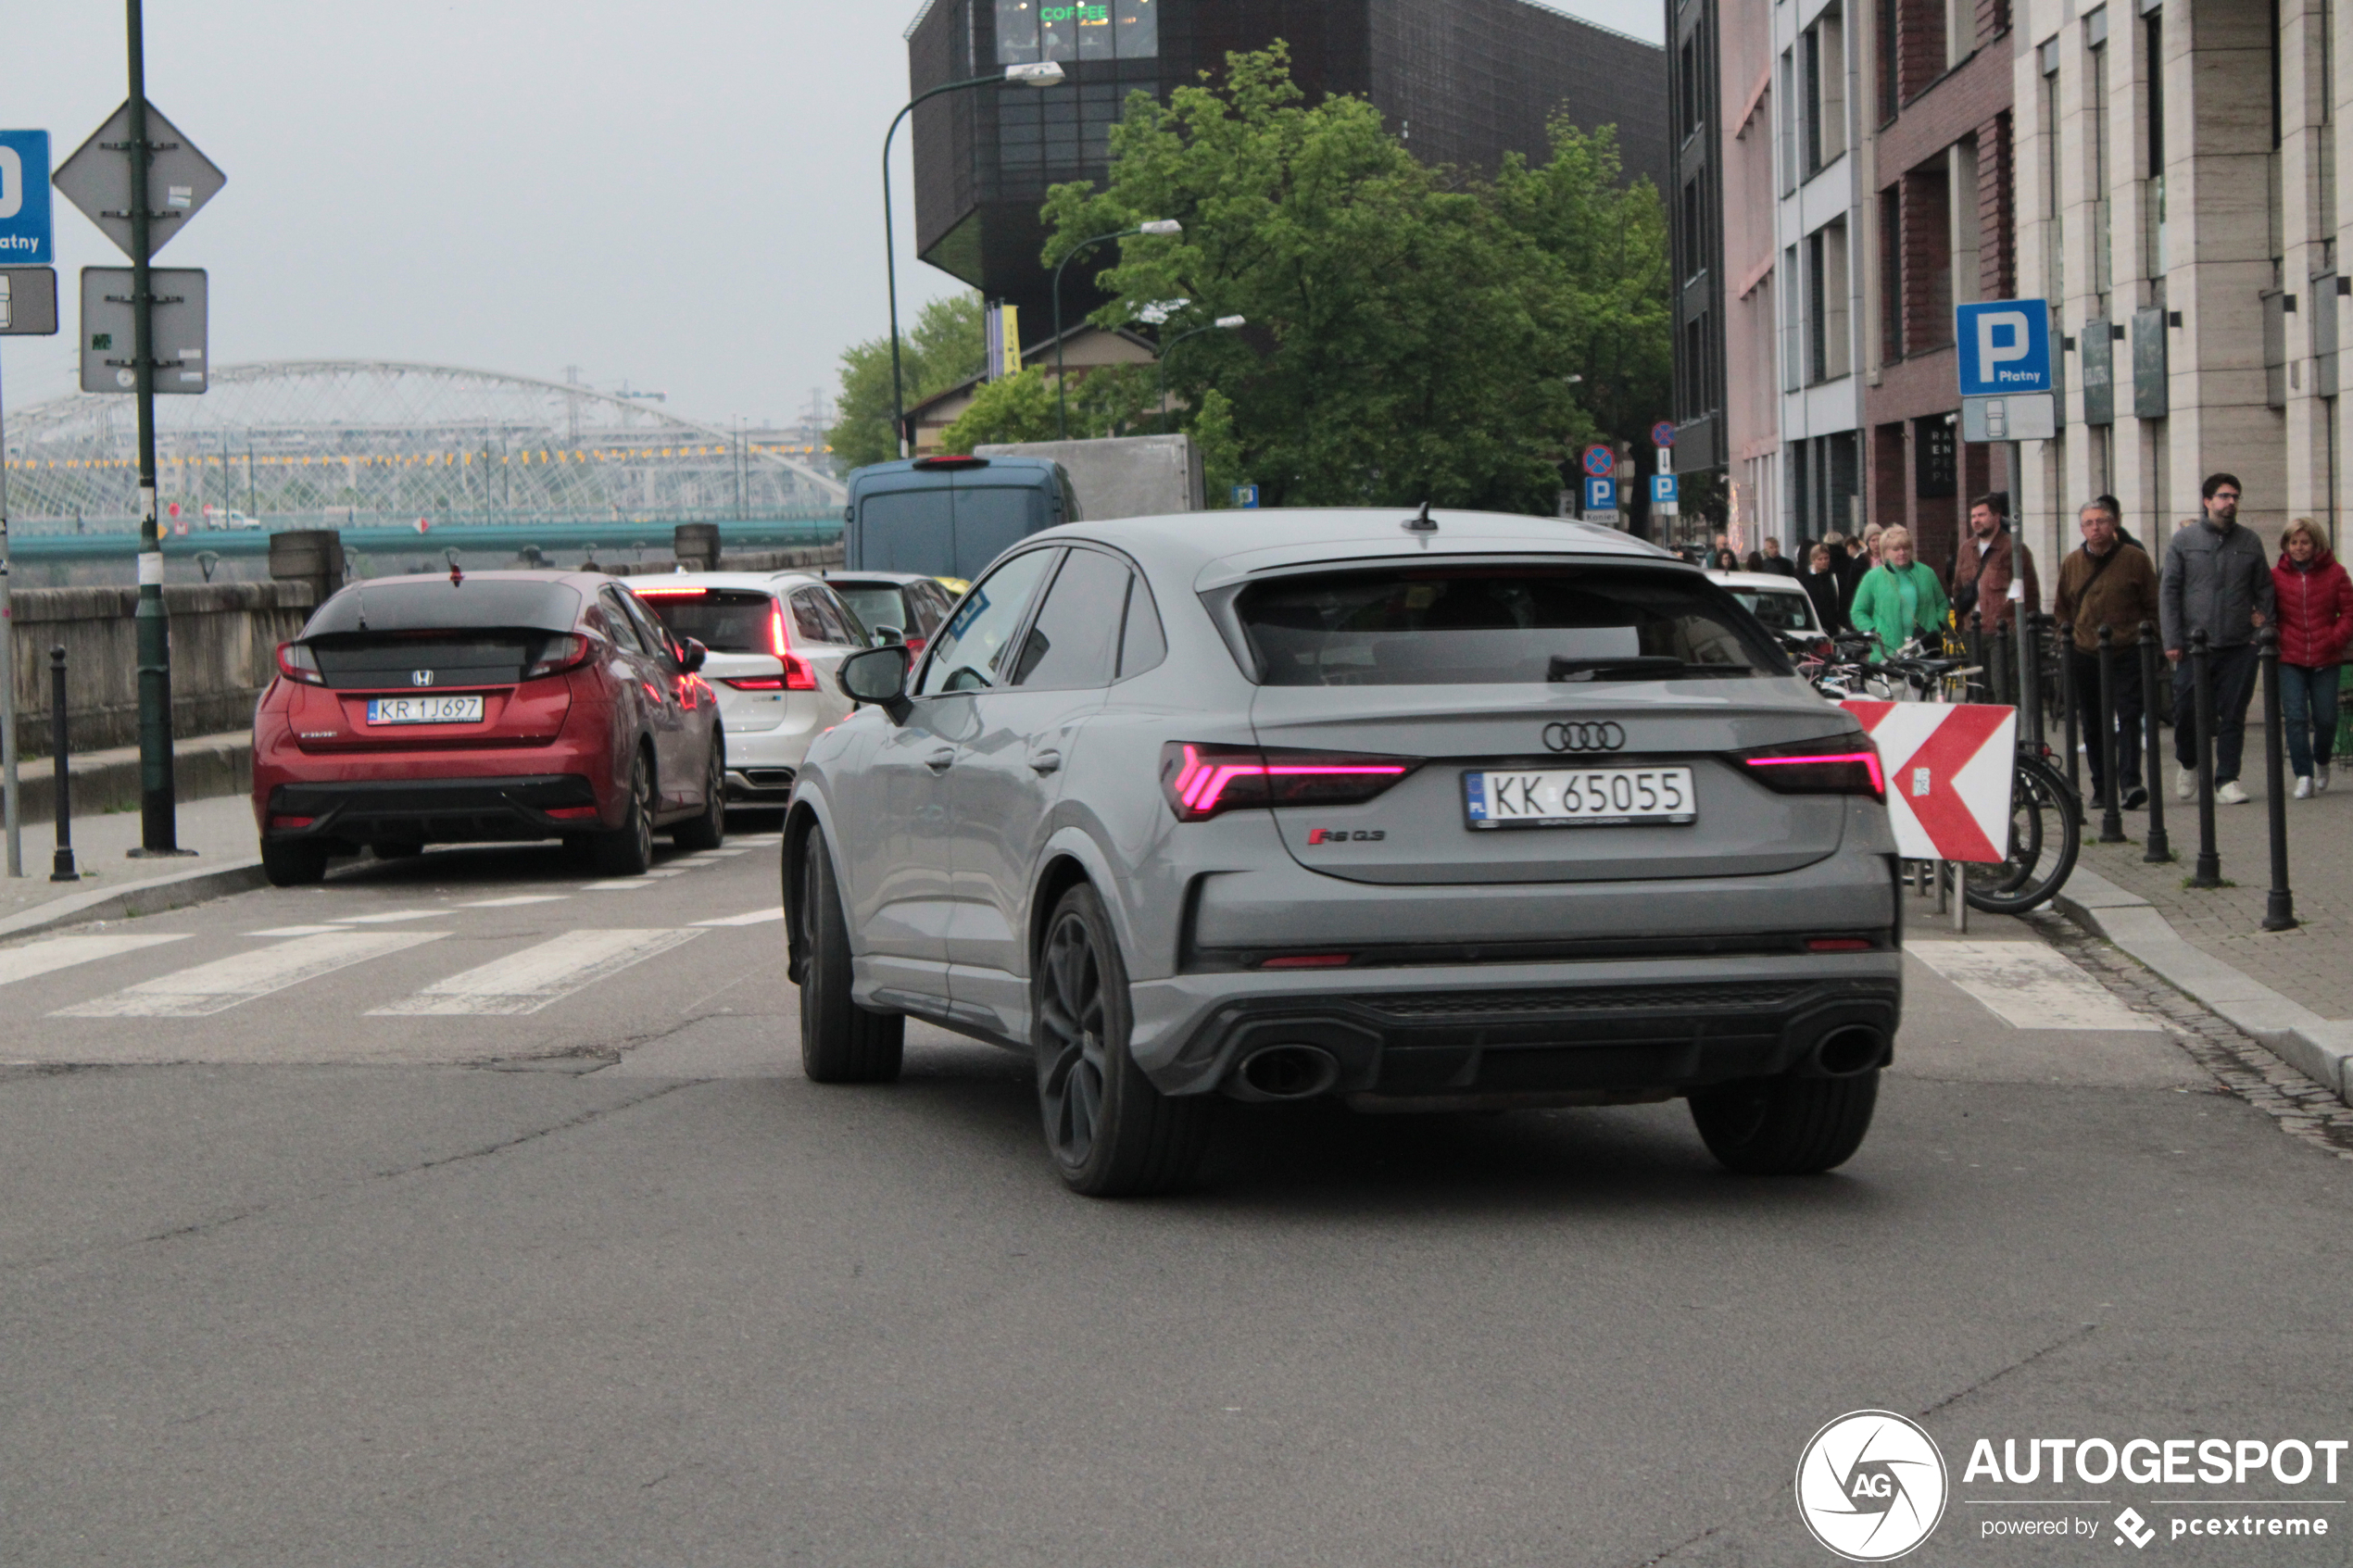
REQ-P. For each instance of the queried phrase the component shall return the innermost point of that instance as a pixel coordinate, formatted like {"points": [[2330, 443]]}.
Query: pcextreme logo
{"points": [[1871, 1485]]}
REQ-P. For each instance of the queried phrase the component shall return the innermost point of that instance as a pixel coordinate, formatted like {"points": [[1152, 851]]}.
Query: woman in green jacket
{"points": [[1899, 598]]}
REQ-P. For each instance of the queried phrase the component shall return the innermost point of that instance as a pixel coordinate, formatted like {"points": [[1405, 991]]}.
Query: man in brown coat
{"points": [[2111, 583], [1989, 558]]}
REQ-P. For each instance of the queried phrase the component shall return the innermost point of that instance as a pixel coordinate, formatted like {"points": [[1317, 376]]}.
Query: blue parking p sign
{"points": [[1662, 489], [24, 199], [1600, 495], [2004, 346]]}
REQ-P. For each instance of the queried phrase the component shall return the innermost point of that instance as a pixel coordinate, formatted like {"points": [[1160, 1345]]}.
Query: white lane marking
{"points": [[670, 870], [516, 901], [296, 930], [2030, 986], [225, 983], [388, 918], [757, 917], [722, 853], [63, 952], [618, 885], [527, 981]]}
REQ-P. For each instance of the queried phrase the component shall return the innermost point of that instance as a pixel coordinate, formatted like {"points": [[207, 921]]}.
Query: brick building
{"points": [[1945, 234]]}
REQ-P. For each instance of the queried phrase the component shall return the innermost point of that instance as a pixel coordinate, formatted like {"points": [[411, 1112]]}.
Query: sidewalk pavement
{"points": [[2292, 990], [220, 830]]}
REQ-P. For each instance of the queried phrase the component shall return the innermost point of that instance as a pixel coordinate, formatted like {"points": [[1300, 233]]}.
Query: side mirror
{"points": [[879, 676], [691, 654], [889, 636]]}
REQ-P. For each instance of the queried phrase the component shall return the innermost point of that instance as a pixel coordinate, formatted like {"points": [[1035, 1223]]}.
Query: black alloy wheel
{"points": [[708, 829], [840, 1042], [1112, 1133], [628, 850]]}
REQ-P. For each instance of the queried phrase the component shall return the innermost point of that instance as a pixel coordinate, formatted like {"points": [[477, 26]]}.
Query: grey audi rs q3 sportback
{"points": [[1442, 812]]}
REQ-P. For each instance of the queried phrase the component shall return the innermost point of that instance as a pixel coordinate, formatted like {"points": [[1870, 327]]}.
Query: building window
{"points": [[2047, 126], [2096, 151], [1792, 321], [1891, 275], [1030, 31], [1890, 77], [1824, 51], [1789, 122]]}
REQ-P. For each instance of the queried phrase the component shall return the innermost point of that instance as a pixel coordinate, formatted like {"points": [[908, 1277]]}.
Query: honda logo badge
{"points": [[1584, 738], [420, 677]]}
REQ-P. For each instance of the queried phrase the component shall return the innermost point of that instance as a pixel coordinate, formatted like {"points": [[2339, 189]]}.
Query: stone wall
{"points": [[224, 639]]}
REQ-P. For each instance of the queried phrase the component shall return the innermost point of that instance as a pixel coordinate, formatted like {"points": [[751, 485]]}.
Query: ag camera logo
{"points": [[1871, 1485]]}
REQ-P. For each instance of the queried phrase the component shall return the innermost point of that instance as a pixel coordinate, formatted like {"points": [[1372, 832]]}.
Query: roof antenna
{"points": [[1423, 523]]}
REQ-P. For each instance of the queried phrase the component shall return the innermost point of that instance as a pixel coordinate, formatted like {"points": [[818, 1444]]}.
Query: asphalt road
{"points": [[452, 1228]]}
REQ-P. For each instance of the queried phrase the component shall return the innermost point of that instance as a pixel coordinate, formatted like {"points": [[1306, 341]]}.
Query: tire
{"points": [[1111, 1133], [840, 1042], [707, 831], [397, 849], [628, 850], [1786, 1126], [294, 865], [2047, 834]]}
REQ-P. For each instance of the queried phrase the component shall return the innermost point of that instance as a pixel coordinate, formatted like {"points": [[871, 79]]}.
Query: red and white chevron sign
{"points": [[1949, 766]]}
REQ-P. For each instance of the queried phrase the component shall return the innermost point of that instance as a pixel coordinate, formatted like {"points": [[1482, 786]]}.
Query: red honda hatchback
{"points": [[496, 705]]}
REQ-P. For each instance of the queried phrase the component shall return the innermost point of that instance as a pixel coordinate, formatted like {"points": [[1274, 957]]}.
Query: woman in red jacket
{"points": [[2316, 619]]}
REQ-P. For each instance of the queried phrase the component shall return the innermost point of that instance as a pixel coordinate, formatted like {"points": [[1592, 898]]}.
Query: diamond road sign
{"points": [[24, 197], [179, 181], [108, 364]]}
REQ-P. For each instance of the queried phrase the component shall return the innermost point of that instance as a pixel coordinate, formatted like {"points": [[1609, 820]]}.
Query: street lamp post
{"points": [[1222, 324], [1062, 394], [1044, 73]]}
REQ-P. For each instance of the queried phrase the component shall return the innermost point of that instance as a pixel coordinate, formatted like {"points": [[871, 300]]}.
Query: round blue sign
{"points": [[1663, 433], [1600, 462]]}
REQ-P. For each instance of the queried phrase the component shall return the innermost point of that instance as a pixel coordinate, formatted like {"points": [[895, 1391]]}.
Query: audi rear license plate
{"points": [[424, 710], [1578, 798]]}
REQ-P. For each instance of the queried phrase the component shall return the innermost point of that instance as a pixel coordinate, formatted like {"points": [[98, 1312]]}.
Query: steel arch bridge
{"points": [[351, 442]]}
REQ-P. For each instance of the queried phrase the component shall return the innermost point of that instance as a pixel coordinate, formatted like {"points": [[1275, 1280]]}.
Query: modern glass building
{"points": [[1464, 81]]}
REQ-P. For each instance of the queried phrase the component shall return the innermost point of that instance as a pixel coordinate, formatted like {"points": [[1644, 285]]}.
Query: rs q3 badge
{"points": [[1346, 835]]}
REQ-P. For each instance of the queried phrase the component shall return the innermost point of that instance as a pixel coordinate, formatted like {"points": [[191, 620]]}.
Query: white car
{"points": [[1780, 602], [775, 639]]}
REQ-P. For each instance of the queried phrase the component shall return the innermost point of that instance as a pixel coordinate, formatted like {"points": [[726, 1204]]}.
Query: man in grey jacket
{"points": [[2217, 581]]}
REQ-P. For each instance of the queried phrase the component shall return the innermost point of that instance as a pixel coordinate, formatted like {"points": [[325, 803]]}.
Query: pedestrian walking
{"points": [[2216, 581], [1989, 559], [1826, 585], [1727, 561], [2108, 583], [1899, 598], [1776, 562], [2315, 602]]}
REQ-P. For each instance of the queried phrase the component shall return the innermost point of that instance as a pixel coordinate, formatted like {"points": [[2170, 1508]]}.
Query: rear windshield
{"points": [[881, 604], [1779, 611], [1416, 626], [722, 619], [433, 603]]}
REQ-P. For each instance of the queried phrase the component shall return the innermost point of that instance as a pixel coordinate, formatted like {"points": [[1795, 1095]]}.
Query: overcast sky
{"points": [[683, 195]]}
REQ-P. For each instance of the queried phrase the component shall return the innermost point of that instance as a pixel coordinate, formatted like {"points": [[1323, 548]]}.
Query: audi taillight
{"points": [[1845, 764], [1201, 780], [567, 650], [297, 663]]}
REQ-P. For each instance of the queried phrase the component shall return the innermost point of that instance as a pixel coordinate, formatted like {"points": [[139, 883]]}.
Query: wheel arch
{"points": [[1072, 857]]}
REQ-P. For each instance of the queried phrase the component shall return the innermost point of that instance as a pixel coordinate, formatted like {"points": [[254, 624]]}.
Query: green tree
{"points": [[1015, 407], [948, 345], [1412, 335]]}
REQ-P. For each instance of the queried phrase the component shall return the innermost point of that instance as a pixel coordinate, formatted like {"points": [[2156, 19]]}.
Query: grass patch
{"points": [[2189, 884]]}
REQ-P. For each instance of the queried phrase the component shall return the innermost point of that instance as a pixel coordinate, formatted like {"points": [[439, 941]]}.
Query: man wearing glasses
{"points": [[2217, 581]]}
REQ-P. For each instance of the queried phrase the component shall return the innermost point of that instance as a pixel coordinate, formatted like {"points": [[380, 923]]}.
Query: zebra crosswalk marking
{"points": [[225, 983], [64, 952], [530, 980]]}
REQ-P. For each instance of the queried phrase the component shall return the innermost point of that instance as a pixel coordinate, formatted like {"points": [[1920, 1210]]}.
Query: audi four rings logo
{"points": [[420, 677], [1584, 738]]}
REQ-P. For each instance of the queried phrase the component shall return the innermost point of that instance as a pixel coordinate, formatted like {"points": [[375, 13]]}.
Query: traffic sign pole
{"points": [[158, 827], [8, 673]]}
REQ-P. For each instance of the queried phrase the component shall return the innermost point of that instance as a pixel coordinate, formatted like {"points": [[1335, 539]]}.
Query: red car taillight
{"points": [[1840, 765], [298, 663], [1202, 781], [557, 655]]}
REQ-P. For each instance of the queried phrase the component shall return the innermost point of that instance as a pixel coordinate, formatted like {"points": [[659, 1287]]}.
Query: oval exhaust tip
{"points": [[1845, 1052], [1282, 1072]]}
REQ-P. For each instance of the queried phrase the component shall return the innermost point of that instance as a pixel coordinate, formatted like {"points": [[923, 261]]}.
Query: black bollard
{"points": [[2111, 791], [62, 867], [1997, 669], [2029, 676], [2279, 910], [2067, 704], [2160, 849], [2208, 870], [1973, 650]]}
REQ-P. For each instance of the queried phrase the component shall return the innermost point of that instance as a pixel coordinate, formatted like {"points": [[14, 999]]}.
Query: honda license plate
{"points": [[1573, 797], [424, 710]]}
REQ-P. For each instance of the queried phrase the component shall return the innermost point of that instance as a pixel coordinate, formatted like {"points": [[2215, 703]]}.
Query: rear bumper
{"points": [[455, 810], [752, 784], [1616, 1029]]}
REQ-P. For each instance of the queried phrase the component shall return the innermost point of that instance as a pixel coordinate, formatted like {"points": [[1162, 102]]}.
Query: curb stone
{"points": [[152, 896], [2321, 1049]]}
